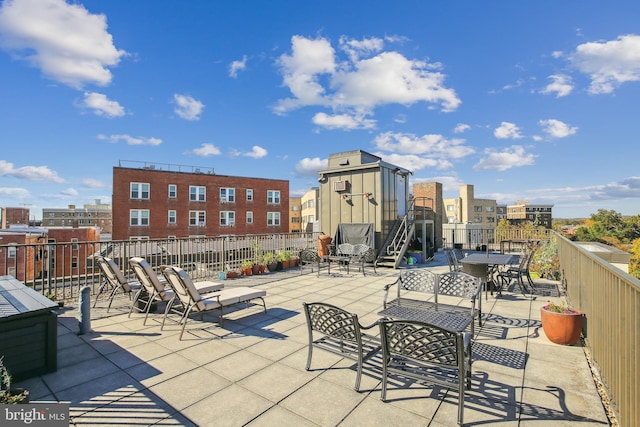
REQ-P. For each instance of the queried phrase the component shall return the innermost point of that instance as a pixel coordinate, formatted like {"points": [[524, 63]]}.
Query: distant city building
{"points": [[157, 201], [501, 212], [90, 215], [466, 209], [309, 202], [522, 212], [14, 216], [295, 215]]}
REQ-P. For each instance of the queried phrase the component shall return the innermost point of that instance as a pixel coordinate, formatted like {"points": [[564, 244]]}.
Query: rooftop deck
{"points": [[251, 372]]}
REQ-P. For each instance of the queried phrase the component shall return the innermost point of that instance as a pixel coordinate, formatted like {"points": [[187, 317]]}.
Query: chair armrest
{"points": [[386, 293], [374, 324]]}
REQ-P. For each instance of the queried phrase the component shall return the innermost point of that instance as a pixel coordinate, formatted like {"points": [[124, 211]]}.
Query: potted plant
{"points": [[247, 268], [284, 256], [8, 395], [270, 261], [561, 324], [52, 297]]}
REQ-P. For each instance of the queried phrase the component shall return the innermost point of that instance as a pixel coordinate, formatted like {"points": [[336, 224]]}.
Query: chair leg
{"points": [[135, 300]]}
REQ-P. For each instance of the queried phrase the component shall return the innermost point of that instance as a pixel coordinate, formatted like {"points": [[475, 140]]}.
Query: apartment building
{"points": [[90, 215], [160, 201], [295, 215], [309, 202], [466, 209], [522, 212], [14, 216]]}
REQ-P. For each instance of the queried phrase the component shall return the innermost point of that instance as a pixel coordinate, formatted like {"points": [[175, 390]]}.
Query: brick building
{"points": [[151, 202], [14, 216]]}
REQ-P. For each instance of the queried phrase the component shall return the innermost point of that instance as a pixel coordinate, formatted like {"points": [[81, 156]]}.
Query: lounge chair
{"points": [[188, 296], [114, 279], [155, 288]]}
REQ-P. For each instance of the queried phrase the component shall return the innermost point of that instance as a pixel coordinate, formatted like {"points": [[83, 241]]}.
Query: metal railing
{"points": [[610, 299], [490, 238], [60, 270]]}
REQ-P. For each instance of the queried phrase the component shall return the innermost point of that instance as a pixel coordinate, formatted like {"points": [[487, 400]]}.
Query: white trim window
{"points": [[249, 195], [249, 217], [11, 251], [273, 197], [197, 193], [139, 217], [273, 218], [197, 218], [139, 190], [171, 217], [172, 191], [227, 218], [228, 195]]}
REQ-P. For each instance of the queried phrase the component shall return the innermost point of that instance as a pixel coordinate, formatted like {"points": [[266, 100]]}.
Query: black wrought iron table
{"points": [[450, 321]]}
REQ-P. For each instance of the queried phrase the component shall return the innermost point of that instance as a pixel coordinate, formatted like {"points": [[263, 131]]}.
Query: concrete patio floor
{"points": [[251, 372]]}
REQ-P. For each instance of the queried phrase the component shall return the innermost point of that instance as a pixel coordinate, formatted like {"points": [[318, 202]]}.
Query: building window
{"points": [[173, 191], [478, 219], [450, 208], [171, 217], [12, 251], [228, 195], [249, 217], [139, 190], [197, 218], [295, 208], [139, 217], [489, 208], [273, 218], [249, 195], [74, 244], [227, 218], [296, 220], [477, 208], [74, 262], [273, 197], [197, 194]]}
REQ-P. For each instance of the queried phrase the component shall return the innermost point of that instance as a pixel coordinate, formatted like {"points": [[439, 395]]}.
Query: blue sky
{"points": [[529, 100]]}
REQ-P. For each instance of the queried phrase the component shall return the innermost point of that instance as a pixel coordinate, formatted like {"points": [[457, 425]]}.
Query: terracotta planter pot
{"points": [[255, 269], [561, 328]]}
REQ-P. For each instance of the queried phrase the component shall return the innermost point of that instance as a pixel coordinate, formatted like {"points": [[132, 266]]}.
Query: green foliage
{"points": [[546, 261]]}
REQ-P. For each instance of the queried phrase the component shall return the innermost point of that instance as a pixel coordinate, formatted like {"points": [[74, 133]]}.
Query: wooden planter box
{"points": [[28, 330]]}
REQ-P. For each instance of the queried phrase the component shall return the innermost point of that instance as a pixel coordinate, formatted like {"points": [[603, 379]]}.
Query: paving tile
{"points": [[192, 386]]}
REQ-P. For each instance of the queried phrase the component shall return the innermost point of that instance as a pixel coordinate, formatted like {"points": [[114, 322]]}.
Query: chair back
{"points": [[460, 284], [454, 265], [345, 249], [183, 287], [333, 321], [420, 342], [147, 277], [419, 279], [113, 273]]}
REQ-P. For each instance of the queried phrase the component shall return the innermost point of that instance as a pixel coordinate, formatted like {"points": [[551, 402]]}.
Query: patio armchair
{"points": [[339, 332], [452, 260], [426, 353], [192, 301], [114, 279], [155, 288], [517, 273]]}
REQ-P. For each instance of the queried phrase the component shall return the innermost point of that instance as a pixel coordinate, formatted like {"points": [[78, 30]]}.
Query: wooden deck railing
{"points": [[610, 299]]}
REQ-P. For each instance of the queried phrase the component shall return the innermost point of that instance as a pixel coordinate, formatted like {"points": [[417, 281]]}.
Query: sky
{"points": [[533, 100]]}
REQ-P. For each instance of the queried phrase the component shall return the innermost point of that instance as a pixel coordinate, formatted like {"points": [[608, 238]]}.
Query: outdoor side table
{"points": [[28, 330]]}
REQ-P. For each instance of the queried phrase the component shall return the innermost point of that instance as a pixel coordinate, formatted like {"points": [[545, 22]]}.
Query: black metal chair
{"points": [[426, 353], [339, 332]]}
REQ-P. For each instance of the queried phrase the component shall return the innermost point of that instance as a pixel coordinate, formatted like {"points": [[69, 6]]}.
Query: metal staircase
{"points": [[397, 240]]}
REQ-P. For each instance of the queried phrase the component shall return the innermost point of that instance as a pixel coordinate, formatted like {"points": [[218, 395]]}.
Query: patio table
{"points": [[486, 262], [449, 321]]}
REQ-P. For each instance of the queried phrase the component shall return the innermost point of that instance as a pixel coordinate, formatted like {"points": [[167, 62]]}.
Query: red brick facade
{"points": [[158, 203]]}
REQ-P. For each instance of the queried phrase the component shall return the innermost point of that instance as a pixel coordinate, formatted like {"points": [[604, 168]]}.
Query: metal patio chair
{"points": [[339, 332], [115, 280]]}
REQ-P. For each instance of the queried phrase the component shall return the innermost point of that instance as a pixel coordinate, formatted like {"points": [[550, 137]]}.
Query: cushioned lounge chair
{"points": [[155, 288], [192, 301]]}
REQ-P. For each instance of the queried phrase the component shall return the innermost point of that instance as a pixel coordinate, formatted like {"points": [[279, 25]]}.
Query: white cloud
{"points": [[414, 162], [557, 129], [356, 85], [343, 121], [256, 152], [432, 145], [101, 105], [207, 150], [93, 183], [609, 63], [627, 188], [131, 140], [15, 192], [187, 107], [461, 127], [237, 66], [510, 157], [66, 42], [560, 84], [507, 130], [31, 173], [310, 167], [71, 192]]}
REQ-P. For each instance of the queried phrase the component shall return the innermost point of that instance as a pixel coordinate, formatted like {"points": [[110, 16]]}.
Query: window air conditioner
{"points": [[340, 186]]}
